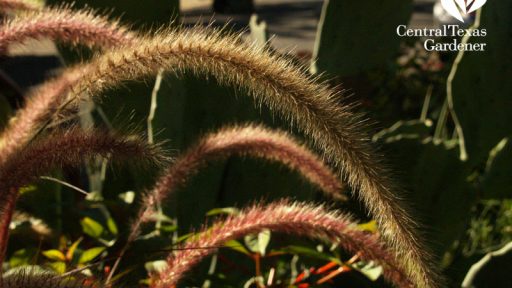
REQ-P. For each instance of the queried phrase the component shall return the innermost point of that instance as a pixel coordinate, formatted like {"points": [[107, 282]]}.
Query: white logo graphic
{"points": [[458, 8]]}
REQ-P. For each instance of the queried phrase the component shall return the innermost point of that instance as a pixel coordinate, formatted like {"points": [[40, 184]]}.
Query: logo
{"points": [[450, 37], [458, 8]]}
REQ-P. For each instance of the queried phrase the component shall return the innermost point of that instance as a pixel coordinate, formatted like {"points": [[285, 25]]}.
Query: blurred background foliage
{"points": [[443, 127]]}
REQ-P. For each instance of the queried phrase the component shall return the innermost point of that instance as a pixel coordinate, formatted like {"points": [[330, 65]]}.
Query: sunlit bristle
{"points": [[65, 26]]}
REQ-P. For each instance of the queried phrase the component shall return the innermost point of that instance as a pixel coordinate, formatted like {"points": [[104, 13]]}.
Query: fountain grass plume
{"points": [[252, 141], [31, 277], [19, 5], [249, 140], [271, 80], [284, 217], [60, 149], [64, 25], [39, 107], [70, 148]]}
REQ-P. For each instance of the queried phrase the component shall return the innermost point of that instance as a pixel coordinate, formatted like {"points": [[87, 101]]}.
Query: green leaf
{"points": [[112, 227], [308, 252], [27, 189], [89, 254], [91, 227], [225, 211], [54, 254], [59, 267], [258, 243], [184, 237], [237, 246], [369, 226], [22, 257], [162, 218], [71, 251], [155, 266], [370, 270], [169, 228], [127, 197]]}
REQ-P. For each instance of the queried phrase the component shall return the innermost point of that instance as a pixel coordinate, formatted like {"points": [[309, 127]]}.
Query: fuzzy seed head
{"points": [[66, 26], [252, 141], [249, 140], [284, 217]]}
